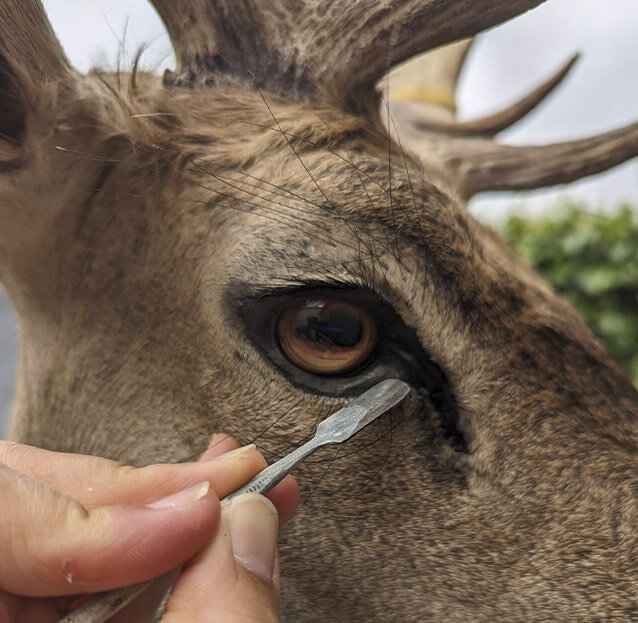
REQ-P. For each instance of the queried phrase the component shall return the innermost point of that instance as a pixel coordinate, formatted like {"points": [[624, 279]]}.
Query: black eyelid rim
{"points": [[243, 293], [398, 352], [261, 311]]}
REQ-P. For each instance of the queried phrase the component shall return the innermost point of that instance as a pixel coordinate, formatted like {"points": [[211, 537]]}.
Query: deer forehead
{"points": [[220, 163], [187, 185]]}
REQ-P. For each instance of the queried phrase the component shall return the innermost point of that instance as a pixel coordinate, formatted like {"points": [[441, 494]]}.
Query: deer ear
{"points": [[31, 59], [13, 114]]}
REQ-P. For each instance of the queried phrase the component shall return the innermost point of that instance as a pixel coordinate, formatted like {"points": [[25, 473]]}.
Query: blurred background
{"points": [[583, 237]]}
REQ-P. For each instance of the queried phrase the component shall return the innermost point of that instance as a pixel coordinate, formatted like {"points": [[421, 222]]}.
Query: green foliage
{"points": [[592, 259]]}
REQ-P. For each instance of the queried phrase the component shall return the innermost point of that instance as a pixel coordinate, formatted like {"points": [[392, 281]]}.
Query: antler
{"points": [[299, 49], [490, 125], [484, 165], [304, 49], [432, 84], [479, 163]]}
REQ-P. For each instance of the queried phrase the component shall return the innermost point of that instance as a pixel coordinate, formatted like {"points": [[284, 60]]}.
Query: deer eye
{"points": [[326, 337], [332, 340], [337, 340]]}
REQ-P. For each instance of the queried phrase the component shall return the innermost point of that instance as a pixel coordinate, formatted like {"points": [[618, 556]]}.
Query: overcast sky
{"points": [[600, 94]]}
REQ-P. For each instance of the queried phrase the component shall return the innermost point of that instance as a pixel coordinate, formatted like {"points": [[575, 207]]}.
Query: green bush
{"points": [[592, 259]]}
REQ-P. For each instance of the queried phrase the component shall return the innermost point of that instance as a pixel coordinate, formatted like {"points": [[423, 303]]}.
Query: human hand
{"points": [[74, 524]]}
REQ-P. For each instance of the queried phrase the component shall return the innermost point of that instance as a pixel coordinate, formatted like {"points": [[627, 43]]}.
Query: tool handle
{"points": [[267, 479], [100, 607]]}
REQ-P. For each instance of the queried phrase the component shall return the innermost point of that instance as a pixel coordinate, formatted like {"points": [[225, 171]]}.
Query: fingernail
{"points": [[253, 532], [250, 446], [216, 450], [238, 451], [183, 498]]}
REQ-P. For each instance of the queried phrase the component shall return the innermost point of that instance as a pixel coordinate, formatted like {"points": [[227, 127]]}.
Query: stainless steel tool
{"points": [[337, 428]]}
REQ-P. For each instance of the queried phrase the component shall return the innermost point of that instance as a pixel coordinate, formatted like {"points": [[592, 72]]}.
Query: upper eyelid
{"points": [[246, 293]]}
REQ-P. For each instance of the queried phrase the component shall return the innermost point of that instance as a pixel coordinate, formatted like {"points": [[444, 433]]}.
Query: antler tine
{"points": [[497, 122], [380, 34], [430, 78], [481, 164], [299, 49]]}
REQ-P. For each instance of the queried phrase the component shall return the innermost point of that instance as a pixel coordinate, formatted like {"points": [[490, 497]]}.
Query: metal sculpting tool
{"points": [[337, 428]]}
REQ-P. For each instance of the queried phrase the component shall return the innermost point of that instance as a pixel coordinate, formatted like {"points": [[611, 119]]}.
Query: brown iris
{"points": [[323, 336]]}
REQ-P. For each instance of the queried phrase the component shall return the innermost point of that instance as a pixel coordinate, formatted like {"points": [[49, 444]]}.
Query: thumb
{"points": [[52, 545], [236, 578]]}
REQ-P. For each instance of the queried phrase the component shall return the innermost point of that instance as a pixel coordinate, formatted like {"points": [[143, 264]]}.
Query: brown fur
{"points": [[134, 225]]}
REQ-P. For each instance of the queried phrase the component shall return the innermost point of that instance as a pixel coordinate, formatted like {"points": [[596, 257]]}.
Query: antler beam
{"points": [[484, 165], [430, 78], [299, 49], [382, 34], [242, 39]]}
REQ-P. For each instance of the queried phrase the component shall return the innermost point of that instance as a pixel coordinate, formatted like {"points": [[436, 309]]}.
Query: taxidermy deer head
{"points": [[241, 247]]}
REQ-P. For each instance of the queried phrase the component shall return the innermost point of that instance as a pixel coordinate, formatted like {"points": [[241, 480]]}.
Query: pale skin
{"points": [[74, 524]]}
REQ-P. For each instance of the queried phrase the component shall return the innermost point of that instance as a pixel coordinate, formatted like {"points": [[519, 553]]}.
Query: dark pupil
{"points": [[328, 328]]}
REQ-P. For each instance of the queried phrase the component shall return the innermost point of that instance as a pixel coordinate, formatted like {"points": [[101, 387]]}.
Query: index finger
{"points": [[96, 481]]}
